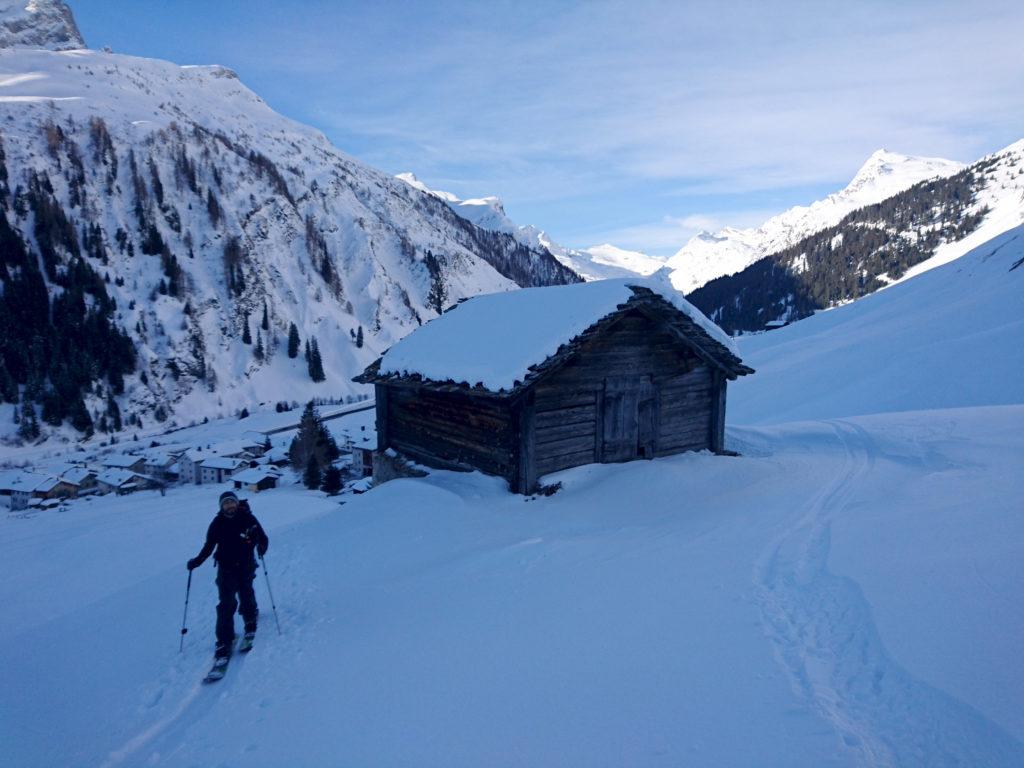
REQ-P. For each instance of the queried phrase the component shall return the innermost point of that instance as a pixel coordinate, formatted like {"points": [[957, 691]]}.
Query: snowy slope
{"points": [[843, 593], [595, 263], [948, 338], [323, 241], [710, 255]]}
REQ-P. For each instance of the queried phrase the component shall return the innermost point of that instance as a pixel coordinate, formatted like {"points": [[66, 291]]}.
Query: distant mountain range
{"points": [[898, 216], [925, 225], [596, 263]]}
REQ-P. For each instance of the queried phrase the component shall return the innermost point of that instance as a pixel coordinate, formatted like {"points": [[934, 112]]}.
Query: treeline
{"points": [[55, 351]]}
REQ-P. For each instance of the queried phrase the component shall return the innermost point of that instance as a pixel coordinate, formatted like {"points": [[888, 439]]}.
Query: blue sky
{"points": [[636, 123]]}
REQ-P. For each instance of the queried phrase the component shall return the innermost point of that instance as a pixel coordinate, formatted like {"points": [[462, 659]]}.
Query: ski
{"points": [[218, 670], [246, 645]]}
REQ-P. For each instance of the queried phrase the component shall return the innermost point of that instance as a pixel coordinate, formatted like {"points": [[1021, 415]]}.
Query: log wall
{"points": [[673, 406], [449, 429]]}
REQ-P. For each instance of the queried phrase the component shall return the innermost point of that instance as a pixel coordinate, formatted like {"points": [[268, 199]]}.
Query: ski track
{"points": [[162, 741], [825, 638]]}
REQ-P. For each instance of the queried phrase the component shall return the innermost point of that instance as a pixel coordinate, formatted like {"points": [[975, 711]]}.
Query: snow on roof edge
{"points": [[501, 336]]}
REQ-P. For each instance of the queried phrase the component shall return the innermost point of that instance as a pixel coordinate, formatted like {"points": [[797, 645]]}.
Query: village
{"points": [[226, 452]]}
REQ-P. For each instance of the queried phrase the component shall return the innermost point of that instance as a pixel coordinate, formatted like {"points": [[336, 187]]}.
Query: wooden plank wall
{"points": [[568, 408], [686, 403], [451, 427]]}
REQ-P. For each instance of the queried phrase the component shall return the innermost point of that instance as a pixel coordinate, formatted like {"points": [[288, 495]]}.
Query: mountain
{"points": [[930, 223], [710, 255], [182, 228], [949, 338], [595, 263], [38, 24]]}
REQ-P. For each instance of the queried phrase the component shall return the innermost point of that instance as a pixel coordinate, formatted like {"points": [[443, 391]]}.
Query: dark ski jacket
{"points": [[235, 538]]}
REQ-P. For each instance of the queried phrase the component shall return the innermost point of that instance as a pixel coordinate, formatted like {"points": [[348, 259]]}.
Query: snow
{"points": [[445, 621], [117, 477], [38, 24], [950, 337], [373, 229], [120, 460], [254, 475], [598, 262], [493, 340], [222, 462], [730, 250], [845, 592]]}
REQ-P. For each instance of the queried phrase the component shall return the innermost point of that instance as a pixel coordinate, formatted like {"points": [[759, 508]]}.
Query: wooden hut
{"points": [[533, 381]]}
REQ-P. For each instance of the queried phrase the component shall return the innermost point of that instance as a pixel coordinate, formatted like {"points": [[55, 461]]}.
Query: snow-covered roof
{"points": [[255, 475], [157, 458], [26, 482], [278, 453], [121, 460], [76, 474], [494, 340], [222, 462], [47, 485], [118, 477], [227, 447]]}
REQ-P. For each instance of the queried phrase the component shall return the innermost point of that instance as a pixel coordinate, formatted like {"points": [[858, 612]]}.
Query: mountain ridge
{"points": [[205, 225]]}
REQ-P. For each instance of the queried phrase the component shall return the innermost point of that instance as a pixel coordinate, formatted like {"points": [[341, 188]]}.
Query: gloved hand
{"points": [[261, 548], [192, 564]]}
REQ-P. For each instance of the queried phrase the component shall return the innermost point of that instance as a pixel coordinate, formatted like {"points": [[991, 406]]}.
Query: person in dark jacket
{"points": [[235, 533]]}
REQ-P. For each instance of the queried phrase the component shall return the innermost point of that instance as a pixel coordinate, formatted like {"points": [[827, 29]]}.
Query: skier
{"points": [[235, 532]]}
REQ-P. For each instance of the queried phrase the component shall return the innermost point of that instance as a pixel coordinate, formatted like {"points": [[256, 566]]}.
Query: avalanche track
{"points": [[825, 638]]}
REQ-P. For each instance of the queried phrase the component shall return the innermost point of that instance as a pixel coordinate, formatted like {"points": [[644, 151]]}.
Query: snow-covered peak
{"points": [[598, 262], [412, 181], [38, 24], [888, 172], [884, 174]]}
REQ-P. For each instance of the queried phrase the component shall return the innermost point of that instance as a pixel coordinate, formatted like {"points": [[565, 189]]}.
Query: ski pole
{"points": [[274, 607], [184, 619]]}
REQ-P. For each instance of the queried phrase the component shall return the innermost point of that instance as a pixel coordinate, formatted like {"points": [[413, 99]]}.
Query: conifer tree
{"points": [[293, 341], [257, 351], [316, 365], [29, 427], [332, 480], [312, 439], [359, 337], [265, 325], [114, 412], [246, 336], [311, 477]]}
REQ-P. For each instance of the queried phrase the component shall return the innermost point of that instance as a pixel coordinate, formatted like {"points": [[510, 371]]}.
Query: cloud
{"points": [[581, 110]]}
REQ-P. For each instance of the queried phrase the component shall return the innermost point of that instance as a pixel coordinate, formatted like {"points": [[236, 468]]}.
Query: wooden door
{"points": [[628, 418]]}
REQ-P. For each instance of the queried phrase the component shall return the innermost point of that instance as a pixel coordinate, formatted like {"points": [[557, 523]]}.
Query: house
{"points": [[56, 488], [238, 449], [158, 464], [82, 477], [217, 469], [278, 456], [188, 465], [123, 461], [22, 488], [122, 481], [256, 479], [533, 381], [362, 447]]}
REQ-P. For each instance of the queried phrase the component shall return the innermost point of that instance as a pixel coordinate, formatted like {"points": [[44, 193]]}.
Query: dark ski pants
{"points": [[231, 582]]}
